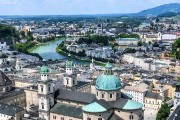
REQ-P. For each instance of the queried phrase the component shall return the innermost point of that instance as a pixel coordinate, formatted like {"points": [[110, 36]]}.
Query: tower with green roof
{"points": [[45, 93], [69, 79], [69, 65]]}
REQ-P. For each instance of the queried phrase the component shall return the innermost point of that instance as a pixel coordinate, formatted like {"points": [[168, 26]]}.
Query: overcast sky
{"points": [[76, 7]]}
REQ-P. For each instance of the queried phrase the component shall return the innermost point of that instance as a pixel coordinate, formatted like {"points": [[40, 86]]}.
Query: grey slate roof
{"points": [[9, 109], [67, 110], [11, 94], [153, 95], [119, 103], [4, 80], [79, 97], [115, 117]]}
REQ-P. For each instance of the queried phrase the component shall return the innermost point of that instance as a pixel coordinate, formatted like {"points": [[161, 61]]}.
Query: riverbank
{"points": [[43, 44], [75, 57]]}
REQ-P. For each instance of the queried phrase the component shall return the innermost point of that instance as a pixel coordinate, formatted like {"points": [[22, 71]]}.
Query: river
{"points": [[47, 51]]}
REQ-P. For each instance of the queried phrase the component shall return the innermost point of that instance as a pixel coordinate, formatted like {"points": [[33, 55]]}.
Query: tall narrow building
{"points": [[177, 95], [69, 78], [45, 93]]}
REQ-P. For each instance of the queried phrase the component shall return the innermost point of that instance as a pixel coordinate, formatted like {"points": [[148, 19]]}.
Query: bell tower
{"points": [[45, 93], [69, 66], [69, 77]]}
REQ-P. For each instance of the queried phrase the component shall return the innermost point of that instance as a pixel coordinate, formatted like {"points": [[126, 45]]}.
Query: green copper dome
{"points": [[108, 65], [132, 105], [94, 108], [108, 82], [44, 69]]}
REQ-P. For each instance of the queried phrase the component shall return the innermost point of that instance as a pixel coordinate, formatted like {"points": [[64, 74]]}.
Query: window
{"points": [[102, 95], [111, 95], [54, 117], [73, 82], [42, 104], [49, 88], [97, 93], [62, 118], [99, 118], [67, 80], [42, 88], [131, 117]]}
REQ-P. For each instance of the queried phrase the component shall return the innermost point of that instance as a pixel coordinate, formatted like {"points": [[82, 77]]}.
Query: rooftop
{"points": [[67, 110], [9, 110], [79, 97]]}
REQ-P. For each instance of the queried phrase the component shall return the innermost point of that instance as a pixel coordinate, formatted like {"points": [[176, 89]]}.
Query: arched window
{"points": [[67, 80], [131, 117], [42, 105]]}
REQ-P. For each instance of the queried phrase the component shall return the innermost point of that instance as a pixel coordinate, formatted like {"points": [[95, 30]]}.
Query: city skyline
{"points": [[76, 7]]}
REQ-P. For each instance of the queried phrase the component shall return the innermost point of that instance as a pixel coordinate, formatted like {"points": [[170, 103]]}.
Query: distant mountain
{"points": [[166, 8]]}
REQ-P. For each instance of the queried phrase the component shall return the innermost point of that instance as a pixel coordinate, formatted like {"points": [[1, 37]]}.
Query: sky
{"points": [[76, 7]]}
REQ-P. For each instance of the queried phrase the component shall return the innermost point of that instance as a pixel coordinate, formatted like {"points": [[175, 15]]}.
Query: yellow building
{"points": [[31, 96]]}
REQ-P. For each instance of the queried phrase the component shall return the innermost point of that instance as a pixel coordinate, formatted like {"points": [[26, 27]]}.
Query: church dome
{"points": [[44, 69], [108, 82]]}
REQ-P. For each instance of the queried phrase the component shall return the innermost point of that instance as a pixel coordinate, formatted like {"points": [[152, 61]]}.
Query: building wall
{"points": [[54, 116], [70, 103], [22, 84], [106, 95], [137, 115], [176, 99], [137, 96], [31, 98], [86, 89], [95, 116], [153, 103]]}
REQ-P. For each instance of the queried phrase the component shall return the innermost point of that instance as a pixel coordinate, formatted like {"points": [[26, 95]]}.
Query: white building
{"points": [[127, 41], [177, 96], [137, 91], [45, 93]]}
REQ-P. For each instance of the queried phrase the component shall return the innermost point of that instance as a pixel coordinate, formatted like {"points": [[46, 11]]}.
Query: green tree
{"points": [[22, 33], [176, 49], [140, 43], [163, 112]]}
